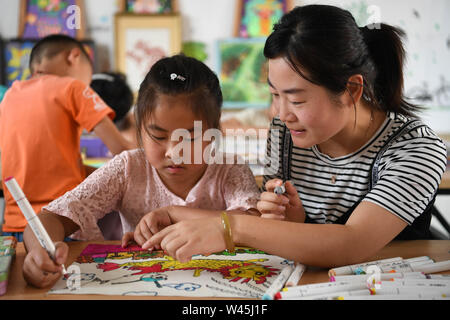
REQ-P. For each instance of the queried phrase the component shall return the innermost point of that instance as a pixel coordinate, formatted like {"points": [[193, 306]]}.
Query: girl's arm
{"points": [[57, 227]]}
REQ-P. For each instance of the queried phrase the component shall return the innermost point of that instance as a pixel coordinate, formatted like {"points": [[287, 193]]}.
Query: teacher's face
{"points": [[308, 110]]}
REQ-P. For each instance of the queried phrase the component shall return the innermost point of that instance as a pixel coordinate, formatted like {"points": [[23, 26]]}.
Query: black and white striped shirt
{"points": [[409, 172]]}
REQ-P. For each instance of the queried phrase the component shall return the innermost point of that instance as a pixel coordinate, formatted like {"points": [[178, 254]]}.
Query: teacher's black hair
{"points": [[324, 45]]}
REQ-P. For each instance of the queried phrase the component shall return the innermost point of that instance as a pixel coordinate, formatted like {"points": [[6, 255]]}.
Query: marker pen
{"points": [[384, 264], [410, 296], [319, 289], [434, 267], [32, 219], [350, 269], [295, 276], [278, 283], [383, 276], [404, 266], [440, 283]]}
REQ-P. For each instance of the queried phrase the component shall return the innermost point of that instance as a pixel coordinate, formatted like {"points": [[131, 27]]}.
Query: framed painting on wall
{"points": [[16, 56], [148, 6], [242, 70], [40, 18], [255, 18], [141, 40]]}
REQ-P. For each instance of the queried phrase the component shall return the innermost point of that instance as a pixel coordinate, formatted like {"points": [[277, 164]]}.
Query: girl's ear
{"points": [[355, 88]]}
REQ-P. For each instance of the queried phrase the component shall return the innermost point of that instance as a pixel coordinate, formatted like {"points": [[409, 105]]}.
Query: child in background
{"points": [[112, 87], [41, 120], [178, 93]]}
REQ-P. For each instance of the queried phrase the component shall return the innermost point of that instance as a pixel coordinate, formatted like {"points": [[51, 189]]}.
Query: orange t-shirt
{"points": [[41, 121]]}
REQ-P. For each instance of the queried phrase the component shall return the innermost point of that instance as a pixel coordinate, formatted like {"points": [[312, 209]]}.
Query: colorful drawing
{"points": [[149, 6], [243, 72], [141, 41], [106, 269], [257, 17], [140, 58], [44, 17], [17, 55]]}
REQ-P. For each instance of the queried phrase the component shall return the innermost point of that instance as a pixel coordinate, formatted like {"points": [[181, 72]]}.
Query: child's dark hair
{"points": [[180, 75], [326, 43], [112, 87], [52, 45]]}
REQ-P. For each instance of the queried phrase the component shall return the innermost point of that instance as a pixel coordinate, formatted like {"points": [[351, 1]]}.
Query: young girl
{"points": [[363, 168], [179, 93]]}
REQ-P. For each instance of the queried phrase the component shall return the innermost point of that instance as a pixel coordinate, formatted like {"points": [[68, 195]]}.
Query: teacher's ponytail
{"points": [[385, 46]]}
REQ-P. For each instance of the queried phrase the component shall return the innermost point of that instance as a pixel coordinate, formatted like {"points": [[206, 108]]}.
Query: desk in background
{"points": [[439, 250], [443, 190]]}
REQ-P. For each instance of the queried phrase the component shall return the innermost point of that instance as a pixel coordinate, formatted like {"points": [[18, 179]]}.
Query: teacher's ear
{"points": [[354, 89]]}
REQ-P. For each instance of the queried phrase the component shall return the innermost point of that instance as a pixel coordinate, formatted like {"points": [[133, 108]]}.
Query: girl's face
{"points": [[175, 159], [305, 108]]}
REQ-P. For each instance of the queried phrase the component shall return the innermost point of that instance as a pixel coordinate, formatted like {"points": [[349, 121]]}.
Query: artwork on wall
{"points": [[149, 6], [40, 18], [16, 56], [242, 70], [255, 18], [113, 270], [195, 49], [141, 40]]}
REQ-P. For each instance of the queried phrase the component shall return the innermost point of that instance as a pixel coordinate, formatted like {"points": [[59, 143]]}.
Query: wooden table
{"points": [[18, 289]]}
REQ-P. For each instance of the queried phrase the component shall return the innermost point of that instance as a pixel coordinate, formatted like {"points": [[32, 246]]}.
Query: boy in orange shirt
{"points": [[41, 121]]}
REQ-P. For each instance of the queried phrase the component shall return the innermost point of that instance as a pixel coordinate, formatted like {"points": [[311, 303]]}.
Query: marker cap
{"points": [[14, 189]]}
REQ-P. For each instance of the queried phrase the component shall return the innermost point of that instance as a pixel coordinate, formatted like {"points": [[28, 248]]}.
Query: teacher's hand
{"points": [[149, 225], [186, 238], [287, 206]]}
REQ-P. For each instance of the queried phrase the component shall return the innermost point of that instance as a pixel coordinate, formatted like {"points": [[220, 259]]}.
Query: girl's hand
{"points": [[150, 224], [287, 206], [186, 238], [40, 270]]}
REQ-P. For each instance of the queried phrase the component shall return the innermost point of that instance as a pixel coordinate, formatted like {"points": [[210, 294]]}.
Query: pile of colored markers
{"points": [[388, 279]]}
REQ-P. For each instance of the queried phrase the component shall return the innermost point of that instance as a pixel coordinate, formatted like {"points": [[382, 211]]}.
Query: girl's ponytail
{"points": [[387, 53]]}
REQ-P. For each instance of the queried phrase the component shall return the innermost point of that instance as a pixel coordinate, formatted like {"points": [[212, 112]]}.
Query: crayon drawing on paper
{"points": [[112, 270]]}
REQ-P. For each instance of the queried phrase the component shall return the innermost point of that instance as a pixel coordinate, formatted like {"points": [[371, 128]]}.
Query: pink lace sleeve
{"points": [[240, 189], [98, 195]]}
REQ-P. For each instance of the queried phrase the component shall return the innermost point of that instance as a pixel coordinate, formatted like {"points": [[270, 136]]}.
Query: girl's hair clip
{"points": [[174, 76]]}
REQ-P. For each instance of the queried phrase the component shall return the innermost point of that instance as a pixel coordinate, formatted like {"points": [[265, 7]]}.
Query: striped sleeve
{"points": [[410, 174]]}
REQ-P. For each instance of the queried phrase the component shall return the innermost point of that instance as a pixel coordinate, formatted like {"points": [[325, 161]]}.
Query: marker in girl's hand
{"points": [[32, 219]]}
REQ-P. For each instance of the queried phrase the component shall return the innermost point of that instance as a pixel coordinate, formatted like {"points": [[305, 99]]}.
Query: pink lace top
{"points": [[129, 185]]}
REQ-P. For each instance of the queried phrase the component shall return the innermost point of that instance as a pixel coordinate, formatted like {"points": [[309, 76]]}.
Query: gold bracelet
{"points": [[227, 233]]}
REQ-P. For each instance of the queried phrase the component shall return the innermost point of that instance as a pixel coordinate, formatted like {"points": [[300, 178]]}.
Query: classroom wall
{"points": [[425, 22]]}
